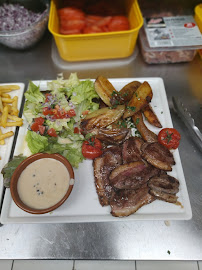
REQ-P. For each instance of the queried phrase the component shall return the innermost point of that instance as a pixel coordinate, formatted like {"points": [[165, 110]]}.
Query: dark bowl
{"points": [[23, 165]]}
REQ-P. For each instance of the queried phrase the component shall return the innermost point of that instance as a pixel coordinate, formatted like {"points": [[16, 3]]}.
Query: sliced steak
{"points": [[164, 196], [131, 150], [103, 165], [132, 175], [158, 156], [126, 202], [164, 187]]}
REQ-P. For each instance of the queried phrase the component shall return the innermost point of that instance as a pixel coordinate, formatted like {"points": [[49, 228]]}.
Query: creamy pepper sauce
{"points": [[43, 183]]}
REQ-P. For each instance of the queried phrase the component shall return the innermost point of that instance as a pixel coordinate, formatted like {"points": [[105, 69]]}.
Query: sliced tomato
{"points": [[35, 127], [41, 129], [47, 111], [119, 23], [92, 19], [92, 29], [52, 132], [75, 24], [47, 95], [69, 32], [71, 113], [76, 130], [169, 137], [104, 22], [92, 148], [71, 13], [39, 120]]}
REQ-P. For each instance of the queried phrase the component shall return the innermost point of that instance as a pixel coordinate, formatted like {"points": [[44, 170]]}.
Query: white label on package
{"points": [[172, 31]]}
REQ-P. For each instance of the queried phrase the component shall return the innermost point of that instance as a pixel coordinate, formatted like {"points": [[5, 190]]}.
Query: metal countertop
{"points": [[139, 240]]}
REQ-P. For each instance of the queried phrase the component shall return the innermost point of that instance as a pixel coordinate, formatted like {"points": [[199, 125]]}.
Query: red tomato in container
{"points": [[119, 23], [72, 24], [71, 13], [92, 148], [169, 137]]}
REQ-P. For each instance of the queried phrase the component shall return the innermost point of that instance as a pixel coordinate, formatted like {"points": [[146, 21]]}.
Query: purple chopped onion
{"points": [[16, 17]]}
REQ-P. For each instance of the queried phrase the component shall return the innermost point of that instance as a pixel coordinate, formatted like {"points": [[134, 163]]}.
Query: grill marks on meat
{"points": [[132, 175], [126, 202], [103, 165], [164, 187], [158, 156], [131, 150]]}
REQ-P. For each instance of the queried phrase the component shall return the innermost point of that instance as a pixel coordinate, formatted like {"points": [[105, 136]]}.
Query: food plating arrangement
{"points": [[100, 129]]}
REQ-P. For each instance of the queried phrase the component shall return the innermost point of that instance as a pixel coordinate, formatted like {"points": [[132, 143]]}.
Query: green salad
{"points": [[54, 116]]}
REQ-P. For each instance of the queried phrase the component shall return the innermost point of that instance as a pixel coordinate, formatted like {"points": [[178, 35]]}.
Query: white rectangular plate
{"points": [[5, 149], [83, 204]]}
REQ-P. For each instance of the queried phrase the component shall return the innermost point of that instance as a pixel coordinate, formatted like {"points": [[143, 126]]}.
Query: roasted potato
{"points": [[104, 89], [128, 90], [140, 99], [102, 117], [151, 116], [146, 134]]}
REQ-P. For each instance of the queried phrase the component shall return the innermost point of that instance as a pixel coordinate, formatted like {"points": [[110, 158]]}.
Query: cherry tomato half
{"points": [[92, 148], [169, 137]]}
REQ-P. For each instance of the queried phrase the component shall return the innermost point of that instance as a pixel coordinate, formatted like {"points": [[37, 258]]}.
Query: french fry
{"points": [[4, 116], [14, 124], [8, 88], [14, 118], [15, 103], [6, 135], [4, 95], [7, 100], [1, 104], [2, 142]]}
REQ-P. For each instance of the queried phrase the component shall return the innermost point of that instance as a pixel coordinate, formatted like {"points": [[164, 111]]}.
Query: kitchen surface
{"points": [[139, 240]]}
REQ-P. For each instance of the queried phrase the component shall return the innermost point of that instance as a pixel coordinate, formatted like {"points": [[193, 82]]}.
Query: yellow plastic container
{"points": [[198, 19], [198, 16], [99, 45]]}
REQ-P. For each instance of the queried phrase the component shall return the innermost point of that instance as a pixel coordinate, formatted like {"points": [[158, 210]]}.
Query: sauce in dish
{"points": [[43, 183]]}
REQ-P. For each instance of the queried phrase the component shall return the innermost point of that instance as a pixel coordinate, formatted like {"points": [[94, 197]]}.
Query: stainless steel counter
{"points": [[148, 240]]}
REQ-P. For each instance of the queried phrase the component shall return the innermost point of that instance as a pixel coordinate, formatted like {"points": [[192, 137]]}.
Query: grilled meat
{"points": [[164, 187], [158, 156], [126, 202], [131, 150], [103, 165], [132, 175]]}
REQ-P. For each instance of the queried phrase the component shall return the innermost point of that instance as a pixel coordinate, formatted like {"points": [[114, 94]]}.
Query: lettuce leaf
{"points": [[36, 142], [9, 169]]}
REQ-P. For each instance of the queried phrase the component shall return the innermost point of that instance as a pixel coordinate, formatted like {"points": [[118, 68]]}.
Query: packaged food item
{"points": [[172, 39]]}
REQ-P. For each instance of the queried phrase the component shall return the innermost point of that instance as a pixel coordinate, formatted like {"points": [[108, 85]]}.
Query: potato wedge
{"points": [[146, 134], [140, 99], [104, 89], [102, 117], [128, 90], [151, 116]]}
